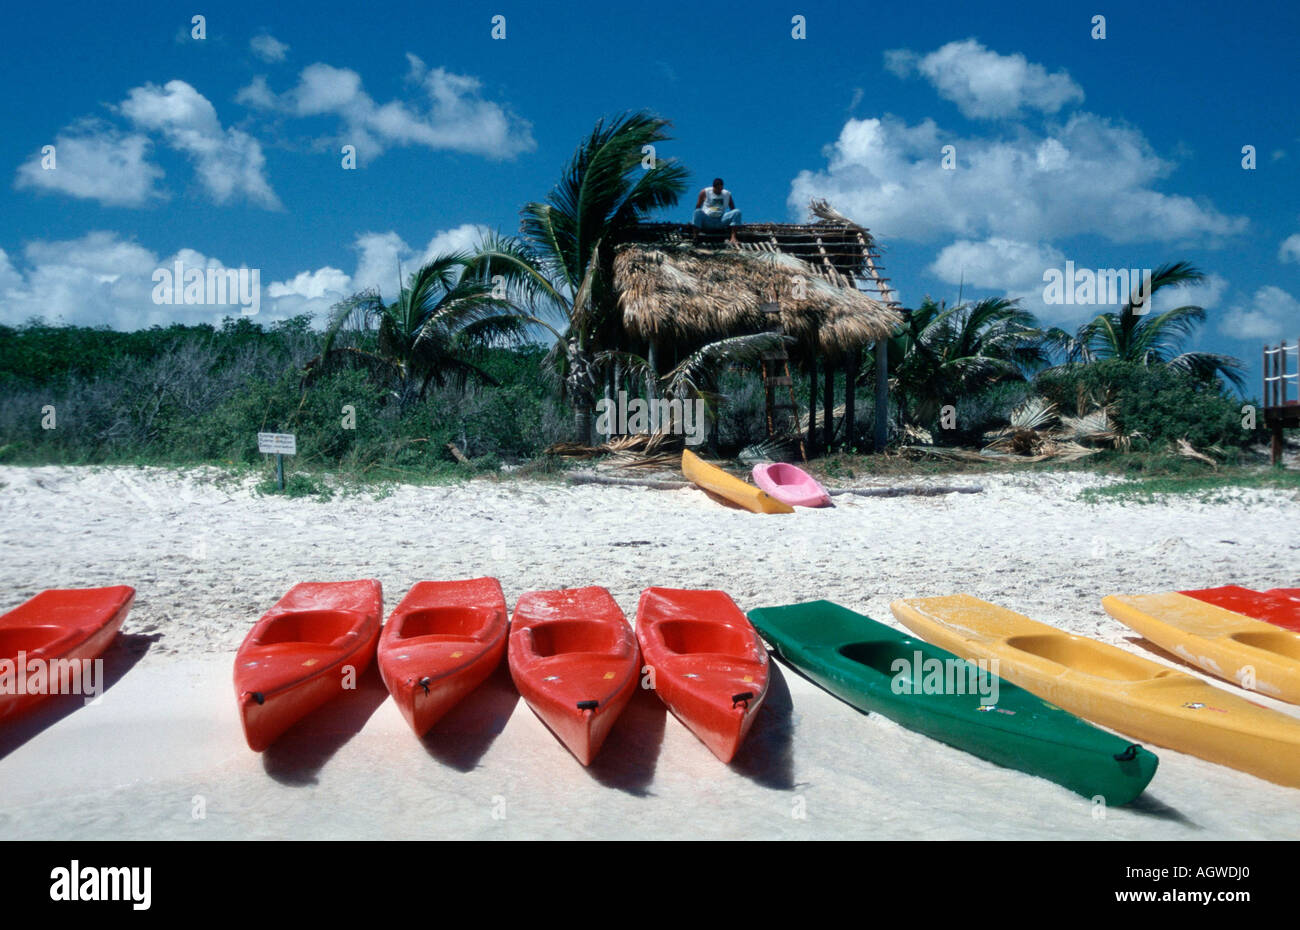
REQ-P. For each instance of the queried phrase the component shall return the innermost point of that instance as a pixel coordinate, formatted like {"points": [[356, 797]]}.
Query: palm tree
{"points": [[423, 336], [563, 264], [943, 352], [1135, 335]]}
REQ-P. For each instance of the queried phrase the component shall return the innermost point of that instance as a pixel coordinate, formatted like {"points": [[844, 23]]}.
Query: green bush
{"points": [[1159, 403]]}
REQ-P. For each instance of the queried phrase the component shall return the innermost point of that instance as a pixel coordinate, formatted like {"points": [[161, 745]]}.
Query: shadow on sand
{"points": [[298, 756], [766, 757], [1152, 807], [630, 755], [119, 658], [463, 736]]}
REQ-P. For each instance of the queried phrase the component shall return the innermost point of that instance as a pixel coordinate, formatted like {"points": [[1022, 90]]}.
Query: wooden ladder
{"points": [[776, 374]]}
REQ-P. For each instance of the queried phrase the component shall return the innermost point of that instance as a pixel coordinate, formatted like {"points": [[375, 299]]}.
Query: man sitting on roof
{"points": [[715, 208]]}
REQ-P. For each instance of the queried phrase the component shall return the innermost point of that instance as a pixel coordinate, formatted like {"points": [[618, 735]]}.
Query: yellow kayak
{"points": [[1255, 655], [741, 493], [1110, 686]]}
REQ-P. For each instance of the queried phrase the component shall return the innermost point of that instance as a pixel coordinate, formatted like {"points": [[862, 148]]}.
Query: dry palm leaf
{"points": [[1185, 448]]}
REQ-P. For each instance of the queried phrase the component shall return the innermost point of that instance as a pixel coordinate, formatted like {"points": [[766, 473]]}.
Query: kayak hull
{"points": [[791, 485], [440, 643], [1250, 653], [731, 489], [310, 647], [1113, 687], [879, 670], [73, 625], [1277, 606], [708, 665], [575, 662]]}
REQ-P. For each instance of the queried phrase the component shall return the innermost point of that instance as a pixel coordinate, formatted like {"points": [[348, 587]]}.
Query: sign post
{"points": [[279, 445]]}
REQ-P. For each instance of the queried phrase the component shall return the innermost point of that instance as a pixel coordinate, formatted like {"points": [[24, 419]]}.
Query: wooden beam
{"points": [[882, 395], [850, 398], [812, 404], [828, 409]]}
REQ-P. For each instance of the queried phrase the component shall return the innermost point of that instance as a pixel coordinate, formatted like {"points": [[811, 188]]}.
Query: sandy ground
{"points": [[161, 754]]}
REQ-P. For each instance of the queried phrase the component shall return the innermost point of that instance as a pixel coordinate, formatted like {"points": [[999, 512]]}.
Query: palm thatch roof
{"points": [[679, 289]]}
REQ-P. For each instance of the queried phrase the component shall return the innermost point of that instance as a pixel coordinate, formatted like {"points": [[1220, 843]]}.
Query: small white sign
{"points": [[277, 443]]}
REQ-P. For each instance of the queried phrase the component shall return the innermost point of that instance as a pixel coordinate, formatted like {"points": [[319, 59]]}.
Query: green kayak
{"points": [[961, 703]]}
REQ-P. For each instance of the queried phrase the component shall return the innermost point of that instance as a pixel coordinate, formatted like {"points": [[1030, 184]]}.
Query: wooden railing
{"points": [[1281, 382]]}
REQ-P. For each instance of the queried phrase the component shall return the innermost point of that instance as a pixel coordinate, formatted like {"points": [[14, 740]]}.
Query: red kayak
{"points": [[315, 642], [62, 626], [442, 642], [575, 661], [1274, 606], [710, 667]]}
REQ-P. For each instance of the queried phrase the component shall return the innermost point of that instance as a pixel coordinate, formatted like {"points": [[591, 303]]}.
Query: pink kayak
{"points": [[791, 485]]}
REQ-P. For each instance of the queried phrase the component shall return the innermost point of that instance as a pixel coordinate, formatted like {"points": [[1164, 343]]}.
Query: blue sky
{"points": [[1121, 152]]}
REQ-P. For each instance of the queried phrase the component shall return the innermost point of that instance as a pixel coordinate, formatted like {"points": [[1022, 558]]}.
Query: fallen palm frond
{"points": [[772, 449], [917, 490], [1185, 448], [1038, 432], [658, 484], [639, 450]]}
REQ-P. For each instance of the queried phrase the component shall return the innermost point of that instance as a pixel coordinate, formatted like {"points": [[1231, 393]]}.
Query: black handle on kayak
{"points": [[743, 697], [424, 683], [588, 705], [1129, 754], [259, 697]]}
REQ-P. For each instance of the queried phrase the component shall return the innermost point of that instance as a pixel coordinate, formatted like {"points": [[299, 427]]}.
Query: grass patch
{"points": [[1213, 487]]}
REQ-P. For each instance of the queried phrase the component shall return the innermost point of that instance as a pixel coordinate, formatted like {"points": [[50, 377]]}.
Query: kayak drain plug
{"points": [[588, 705], [1128, 754], [424, 683], [743, 697], [259, 697]]}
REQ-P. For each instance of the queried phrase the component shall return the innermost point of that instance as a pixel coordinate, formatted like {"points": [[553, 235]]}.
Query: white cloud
{"points": [[95, 161], [256, 94], [1207, 294], [99, 279], [102, 278], [1087, 176], [984, 84], [996, 264], [1271, 313], [449, 113], [380, 253], [229, 162], [268, 48], [1289, 251], [312, 285]]}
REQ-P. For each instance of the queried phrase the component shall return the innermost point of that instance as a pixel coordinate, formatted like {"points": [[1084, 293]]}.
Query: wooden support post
{"points": [[1275, 450], [812, 404], [882, 394], [652, 376], [828, 409], [850, 398]]}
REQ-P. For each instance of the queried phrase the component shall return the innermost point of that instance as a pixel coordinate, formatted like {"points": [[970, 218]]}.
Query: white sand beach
{"points": [[161, 755]]}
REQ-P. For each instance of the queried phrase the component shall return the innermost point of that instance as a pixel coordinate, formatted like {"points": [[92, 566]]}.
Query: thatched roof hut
{"points": [[679, 291]]}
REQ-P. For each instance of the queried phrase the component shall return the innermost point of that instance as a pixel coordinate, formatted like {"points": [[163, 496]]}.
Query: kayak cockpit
{"points": [[1086, 656], [446, 624], [28, 639], [567, 637], [1278, 642], [910, 664], [693, 637], [317, 627]]}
